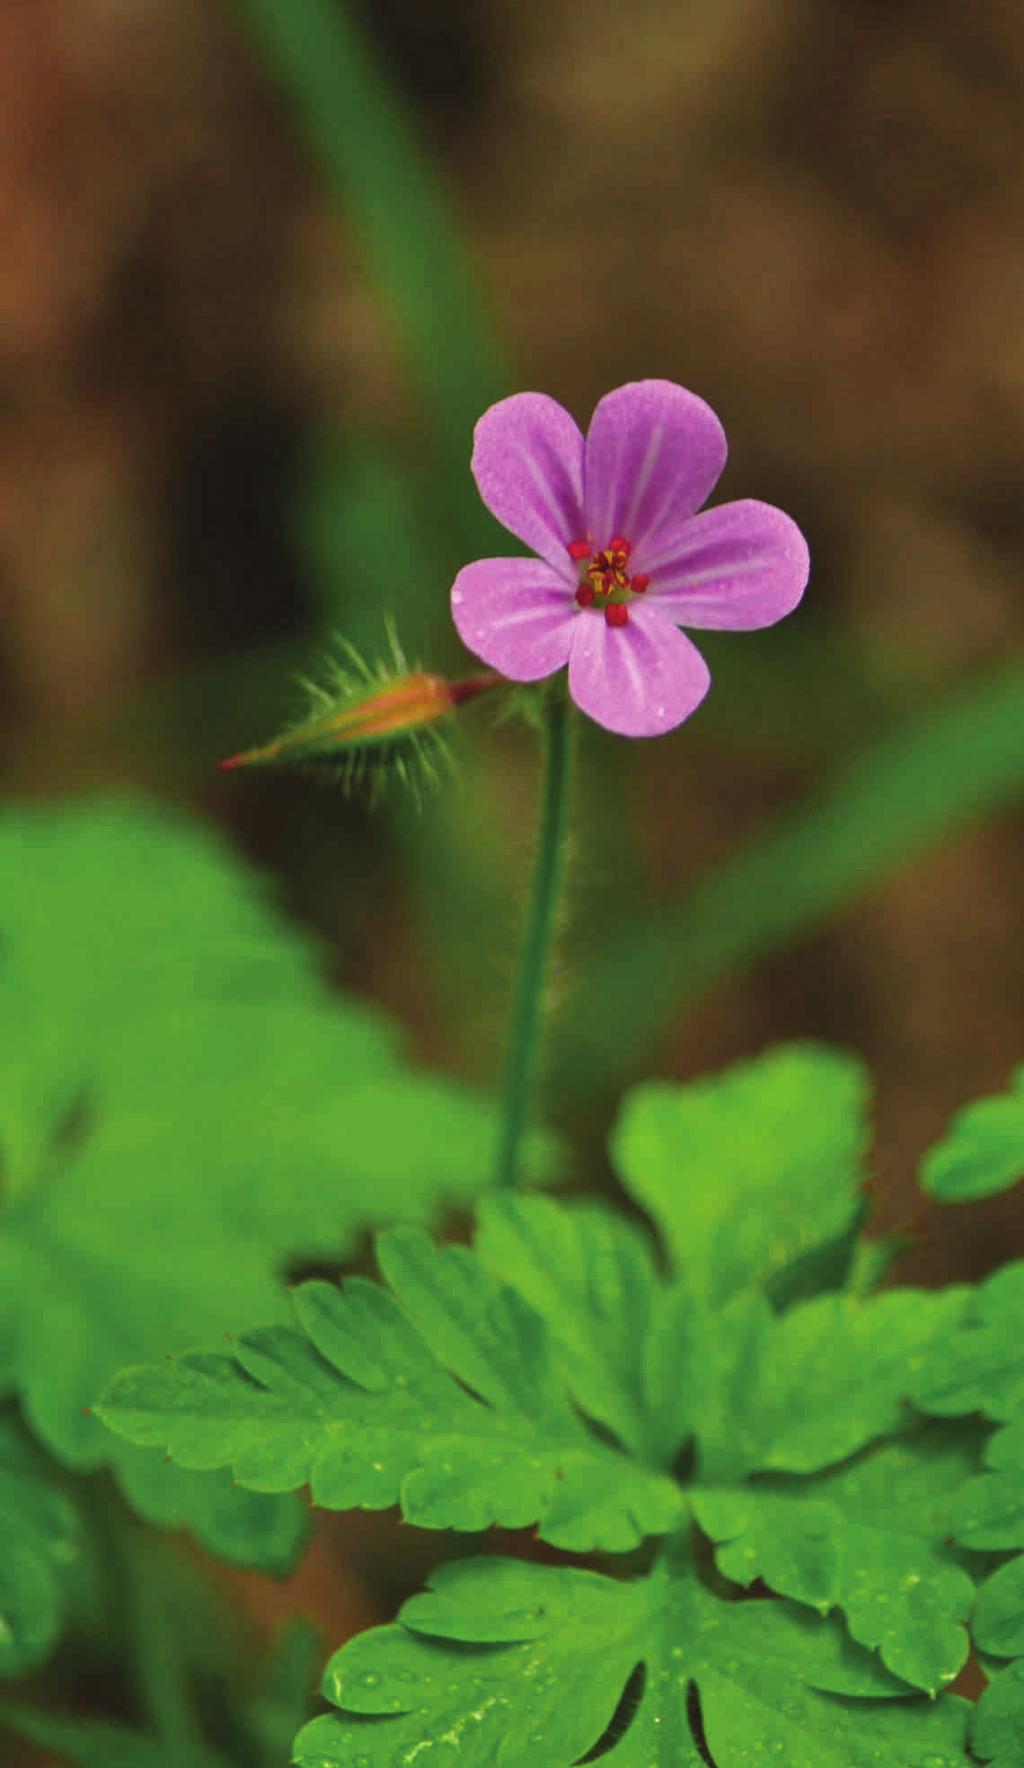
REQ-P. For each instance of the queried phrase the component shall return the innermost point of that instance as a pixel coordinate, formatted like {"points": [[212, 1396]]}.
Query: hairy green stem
{"points": [[540, 925]]}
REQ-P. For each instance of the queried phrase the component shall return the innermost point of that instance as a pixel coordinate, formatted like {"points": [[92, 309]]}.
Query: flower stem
{"points": [[540, 925]]}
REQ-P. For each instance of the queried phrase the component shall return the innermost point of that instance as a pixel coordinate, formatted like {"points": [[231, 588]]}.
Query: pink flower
{"points": [[624, 558]]}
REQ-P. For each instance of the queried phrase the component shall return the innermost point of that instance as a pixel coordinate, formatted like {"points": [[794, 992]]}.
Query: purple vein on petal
{"points": [[528, 465], [516, 614], [737, 567]]}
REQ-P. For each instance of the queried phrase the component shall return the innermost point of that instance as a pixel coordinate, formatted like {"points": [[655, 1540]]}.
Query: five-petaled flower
{"points": [[624, 558]]}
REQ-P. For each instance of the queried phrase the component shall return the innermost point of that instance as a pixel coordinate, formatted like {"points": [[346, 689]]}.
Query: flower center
{"points": [[605, 584]]}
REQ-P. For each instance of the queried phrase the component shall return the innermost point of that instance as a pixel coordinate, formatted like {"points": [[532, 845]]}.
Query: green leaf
{"points": [[242, 1528], [982, 1152], [748, 1171], [979, 1365], [998, 1625], [997, 1725], [626, 1342], [869, 1538], [39, 1542], [451, 1395], [505, 1663], [442, 1395], [800, 1392], [184, 1110]]}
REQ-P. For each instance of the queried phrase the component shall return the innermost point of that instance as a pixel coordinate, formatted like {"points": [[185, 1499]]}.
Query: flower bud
{"points": [[369, 722]]}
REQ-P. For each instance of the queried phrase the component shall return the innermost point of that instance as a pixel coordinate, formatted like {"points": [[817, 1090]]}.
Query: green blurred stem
{"points": [[540, 926], [150, 1636], [378, 170]]}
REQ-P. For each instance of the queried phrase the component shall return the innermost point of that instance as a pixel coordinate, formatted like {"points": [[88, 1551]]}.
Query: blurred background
{"points": [[264, 263]]}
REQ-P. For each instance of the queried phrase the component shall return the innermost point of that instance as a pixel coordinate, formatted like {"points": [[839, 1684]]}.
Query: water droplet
{"points": [[369, 1679]]}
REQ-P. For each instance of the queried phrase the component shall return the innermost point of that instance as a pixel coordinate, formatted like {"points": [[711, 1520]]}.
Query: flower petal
{"points": [[639, 679], [654, 453], [517, 614], [734, 568], [528, 466]]}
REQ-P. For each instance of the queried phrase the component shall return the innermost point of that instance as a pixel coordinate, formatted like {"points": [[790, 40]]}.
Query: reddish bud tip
{"points": [[639, 583], [585, 594], [579, 549], [619, 544], [232, 761], [617, 614]]}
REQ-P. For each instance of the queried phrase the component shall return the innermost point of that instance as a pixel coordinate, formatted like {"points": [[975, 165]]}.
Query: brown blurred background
{"points": [[811, 213]]}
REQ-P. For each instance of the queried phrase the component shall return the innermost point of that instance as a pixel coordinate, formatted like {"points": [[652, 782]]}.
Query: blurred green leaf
{"points": [[980, 1365], [997, 1724], [184, 1110], [39, 1540], [982, 1152], [958, 762], [374, 163]]}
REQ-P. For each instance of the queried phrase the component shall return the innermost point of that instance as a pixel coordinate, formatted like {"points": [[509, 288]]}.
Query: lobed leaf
{"points": [[507, 1664], [870, 1538], [441, 1394], [978, 1366], [982, 1152], [629, 1345], [801, 1392], [748, 1171]]}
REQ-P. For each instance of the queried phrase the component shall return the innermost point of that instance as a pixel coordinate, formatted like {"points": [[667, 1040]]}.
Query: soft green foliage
{"points": [[982, 1152], [750, 1397], [960, 760], [870, 1539], [748, 1171], [39, 1541], [452, 1392], [505, 1663], [997, 1725], [980, 1368], [441, 1394], [184, 1109]]}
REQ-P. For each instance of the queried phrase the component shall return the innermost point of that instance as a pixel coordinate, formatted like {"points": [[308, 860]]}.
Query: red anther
{"points": [[579, 549], [585, 594], [616, 614], [619, 544], [639, 583]]}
